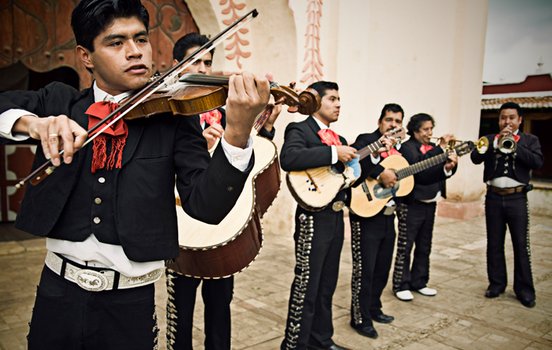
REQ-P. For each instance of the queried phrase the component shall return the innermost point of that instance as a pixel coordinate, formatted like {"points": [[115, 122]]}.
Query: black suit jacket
{"points": [[157, 149], [528, 156], [303, 149]]}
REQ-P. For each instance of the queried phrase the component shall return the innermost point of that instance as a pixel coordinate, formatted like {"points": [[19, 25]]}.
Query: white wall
{"points": [[426, 55]]}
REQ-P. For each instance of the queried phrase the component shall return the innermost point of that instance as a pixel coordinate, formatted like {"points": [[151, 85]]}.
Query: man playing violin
{"points": [[373, 238], [216, 293], [507, 173], [416, 212], [108, 212], [318, 234]]}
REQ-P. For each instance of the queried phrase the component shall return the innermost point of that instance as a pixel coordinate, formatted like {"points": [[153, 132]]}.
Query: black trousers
{"points": [[512, 211], [217, 295], [416, 220], [66, 316], [318, 242], [372, 244]]}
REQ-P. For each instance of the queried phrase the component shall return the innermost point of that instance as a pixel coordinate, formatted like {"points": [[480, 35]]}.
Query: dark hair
{"points": [[391, 107], [511, 105], [416, 121], [321, 87], [187, 42], [91, 17]]}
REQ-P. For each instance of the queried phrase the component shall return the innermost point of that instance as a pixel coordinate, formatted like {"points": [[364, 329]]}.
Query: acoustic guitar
{"points": [[315, 188], [370, 197]]}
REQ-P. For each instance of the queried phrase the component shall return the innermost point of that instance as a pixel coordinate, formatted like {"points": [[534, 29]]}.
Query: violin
{"points": [[152, 100], [198, 93]]}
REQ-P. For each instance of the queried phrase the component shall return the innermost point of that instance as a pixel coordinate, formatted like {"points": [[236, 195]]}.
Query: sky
{"points": [[519, 35]]}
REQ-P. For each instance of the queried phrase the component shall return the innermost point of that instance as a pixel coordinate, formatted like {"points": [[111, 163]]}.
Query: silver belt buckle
{"points": [[338, 206], [90, 280]]}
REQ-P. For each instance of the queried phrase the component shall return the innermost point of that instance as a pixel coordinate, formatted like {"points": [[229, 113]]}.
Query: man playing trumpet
{"points": [[509, 157]]}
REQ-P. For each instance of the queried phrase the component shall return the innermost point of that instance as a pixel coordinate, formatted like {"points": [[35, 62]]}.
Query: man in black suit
{"points": [[216, 293], [416, 212], [318, 235], [108, 213], [373, 238], [508, 161]]}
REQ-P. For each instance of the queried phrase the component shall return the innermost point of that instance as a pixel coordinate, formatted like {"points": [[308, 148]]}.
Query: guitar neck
{"points": [[371, 148], [421, 166]]}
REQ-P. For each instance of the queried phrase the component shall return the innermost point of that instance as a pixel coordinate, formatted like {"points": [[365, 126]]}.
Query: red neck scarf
{"points": [[211, 117], [329, 137], [117, 132]]}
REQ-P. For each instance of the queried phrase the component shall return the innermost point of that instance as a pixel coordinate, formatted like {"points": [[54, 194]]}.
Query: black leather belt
{"points": [[506, 191]]}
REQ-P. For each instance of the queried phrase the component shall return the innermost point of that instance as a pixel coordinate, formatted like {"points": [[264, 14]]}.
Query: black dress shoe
{"points": [[383, 318], [366, 330], [527, 302], [489, 293]]}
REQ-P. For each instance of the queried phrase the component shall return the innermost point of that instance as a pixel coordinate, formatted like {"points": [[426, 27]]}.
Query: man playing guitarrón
{"points": [[216, 293]]}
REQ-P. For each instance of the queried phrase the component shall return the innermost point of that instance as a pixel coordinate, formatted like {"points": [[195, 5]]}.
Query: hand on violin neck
{"points": [[247, 97]]}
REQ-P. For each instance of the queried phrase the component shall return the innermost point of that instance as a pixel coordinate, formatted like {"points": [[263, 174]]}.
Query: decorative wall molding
{"points": [[312, 68], [232, 11]]}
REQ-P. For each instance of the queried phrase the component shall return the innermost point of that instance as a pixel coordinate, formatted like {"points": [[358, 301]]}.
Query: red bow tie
{"points": [[211, 117], [329, 137], [117, 132], [425, 148]]}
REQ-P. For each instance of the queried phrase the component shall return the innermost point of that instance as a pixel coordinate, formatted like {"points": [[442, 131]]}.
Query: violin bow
{"points": [[162, 81]]}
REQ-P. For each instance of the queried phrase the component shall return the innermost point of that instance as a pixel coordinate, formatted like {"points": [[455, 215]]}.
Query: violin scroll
{"points": [[307, 102]]}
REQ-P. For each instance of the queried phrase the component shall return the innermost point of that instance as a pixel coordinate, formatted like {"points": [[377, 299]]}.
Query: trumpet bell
{"points": [[507, 144], [482, 145]]}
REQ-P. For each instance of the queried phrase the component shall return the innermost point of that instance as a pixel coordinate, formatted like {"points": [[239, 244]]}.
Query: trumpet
{"points": [[450, 144], [507, 144]]}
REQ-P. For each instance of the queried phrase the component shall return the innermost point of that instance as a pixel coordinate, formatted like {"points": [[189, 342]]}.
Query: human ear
{"points": [[85, 56]]}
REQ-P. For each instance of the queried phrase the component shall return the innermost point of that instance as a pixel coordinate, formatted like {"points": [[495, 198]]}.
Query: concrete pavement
{"points": [[459, 317]]}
